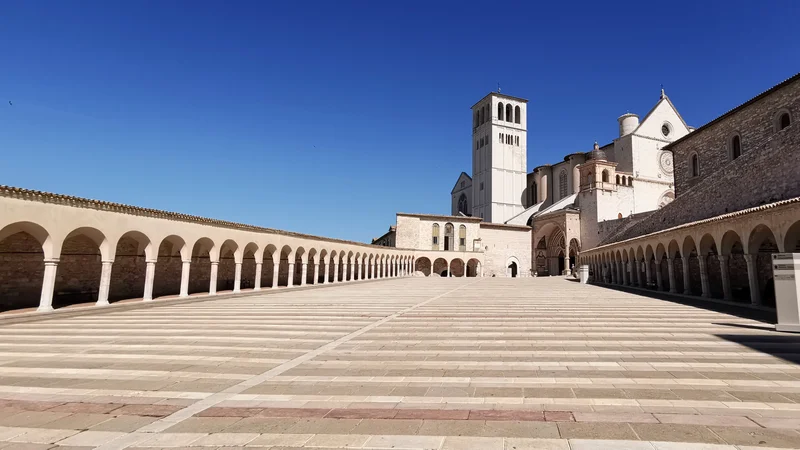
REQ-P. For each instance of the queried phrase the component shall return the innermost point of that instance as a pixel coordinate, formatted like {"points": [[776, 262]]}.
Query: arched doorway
{"points": [[423, 265], [449, 236], [561, 261], [440, 267], [512, 270]]}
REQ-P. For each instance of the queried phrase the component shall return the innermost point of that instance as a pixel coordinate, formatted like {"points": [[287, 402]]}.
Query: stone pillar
{"points": [[648, 274], [186, 267], [687, 281], [275, 273], [612, 268], [752, 279], [149, 277], [212, 285], [303, 274], [659, 277], [335, 272], [639, 280], [237, 278], [105, 283], [704, 275], [361, 270], [671, 274], [316, 273], [726, 277], [48, 284], [257, 284], [290, 278], [624, 273], [352, 275]]}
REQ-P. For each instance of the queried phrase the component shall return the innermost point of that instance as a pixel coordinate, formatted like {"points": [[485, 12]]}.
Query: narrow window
{"points": [[481, 185], [483, 115], [605, 176], [500, 111], [562, 184], [630, 181], [736, 147], [517, 114], [617, 179], [462, 238], [695, 166], [784, 121], [509, 113], [435, 233]]}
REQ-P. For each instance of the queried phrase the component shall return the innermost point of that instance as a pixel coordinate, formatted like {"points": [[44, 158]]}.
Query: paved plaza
{"points": [[412, 363]]}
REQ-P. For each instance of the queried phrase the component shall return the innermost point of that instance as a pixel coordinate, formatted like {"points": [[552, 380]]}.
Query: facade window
{"points": [[630, 181], [462, 238], [500, 111], [562, 184], [624, 181], [483, 115], [477, 120], [666, 129], [481, 185], [695, 166], [605, 176], [784, 121], [516, 138], [736, 147], [517, 114], [509, 113], [617, 179], [462, 204], [435, 235]]}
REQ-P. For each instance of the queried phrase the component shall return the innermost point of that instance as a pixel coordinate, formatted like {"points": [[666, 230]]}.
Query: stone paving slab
{"points": [[411, 363]]}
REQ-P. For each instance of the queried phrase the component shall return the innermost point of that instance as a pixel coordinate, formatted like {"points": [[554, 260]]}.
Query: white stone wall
{"points": [[415, 232], [505, 243]]}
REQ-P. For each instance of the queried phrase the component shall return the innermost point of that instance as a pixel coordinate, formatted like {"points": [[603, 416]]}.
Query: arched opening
{"points": [[330, 269], [605, 176], [200, 272], [617, 179], [249, 266], [423, 265], [169, 265], [690, 259], [129, 268], [284, 258], [736, 147], [500, 111], [79, 269], [462, 238], [449, 238], [473, 267], [762, 244], [457, 267], [542, 267], [509, 113], [562, 184], [435, 236], [513, 269], [784, 120], [561, 262], [297, 273], [226, 268], [21, 265], [517, 114], [340, 274], [695, 165], [709, 252], [732, 250], [630, 181], [462, 204], [268, 278], [624, 181], [313, 259], [791, 243], [440, 267]]}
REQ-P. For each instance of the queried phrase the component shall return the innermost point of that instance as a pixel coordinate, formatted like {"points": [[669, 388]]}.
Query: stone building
{"points": [[737, 201]]}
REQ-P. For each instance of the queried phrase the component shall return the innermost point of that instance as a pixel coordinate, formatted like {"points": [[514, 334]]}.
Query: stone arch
{"points": [[500, 111], [82, 253], [285, 275], [202, 253], [331, 272], [171, 253], [513, 268], [517, 114], [457, 267], [473, 267], [300, 258], [131, 253], [440, 267], [761, 243], [271, 265], [322, 276], [229, 255], [249, 253], [423, 264], [791, 240], [509, 113], [24, 247]]}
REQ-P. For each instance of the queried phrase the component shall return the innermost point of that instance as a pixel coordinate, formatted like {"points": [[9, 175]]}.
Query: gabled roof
{"points": [[564, 203], [463, 174], [663, 98], [531, 210]]}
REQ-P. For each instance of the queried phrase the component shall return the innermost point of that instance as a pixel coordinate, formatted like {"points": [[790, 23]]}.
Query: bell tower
{"points": [[499, 156]]}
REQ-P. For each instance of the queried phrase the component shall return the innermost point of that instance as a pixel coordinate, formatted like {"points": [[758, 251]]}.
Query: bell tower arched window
{"points": [[562, 184], [509, 113], [517, 114], [500, 111]]}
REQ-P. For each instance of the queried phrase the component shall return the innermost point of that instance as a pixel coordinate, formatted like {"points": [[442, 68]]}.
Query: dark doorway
{"points": [[560, 263], [513, 267]]}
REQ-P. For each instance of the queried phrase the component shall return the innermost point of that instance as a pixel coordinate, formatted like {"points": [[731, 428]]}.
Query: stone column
{"points": [[752, 279], [639, 280], [648, 274], [671, 274], [275, 273], [726, 277], [687, 281], [290, 278], [303, 274], [336, 272], [624, 273], [659, 277], [352, 275], [316, 273], [186, 267], [257, 284], [372, 270], [237, 278], [703, 275], [212, 285], [48, 284], [361, 270], [105, 283], [149, 277]]}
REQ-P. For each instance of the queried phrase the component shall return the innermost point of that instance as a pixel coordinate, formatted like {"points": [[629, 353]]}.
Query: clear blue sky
{"points": [[329, 117]]}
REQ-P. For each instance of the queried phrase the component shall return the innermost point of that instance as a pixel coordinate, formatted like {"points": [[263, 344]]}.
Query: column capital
{"points": [[214, 263], [107, 261], [51, 261], [150, 261]]}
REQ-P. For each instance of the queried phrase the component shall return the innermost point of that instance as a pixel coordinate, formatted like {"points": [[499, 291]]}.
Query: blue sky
{"points": [[329, 117]]}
